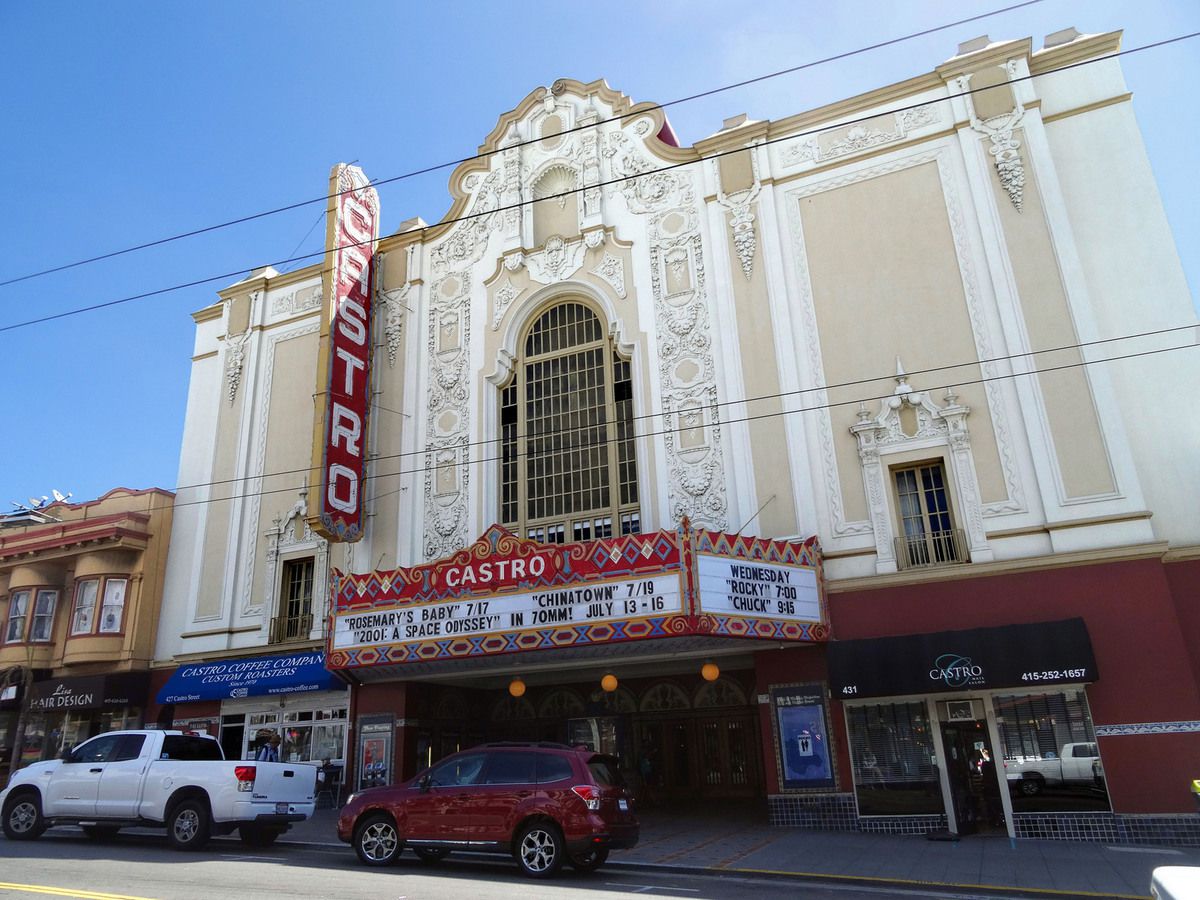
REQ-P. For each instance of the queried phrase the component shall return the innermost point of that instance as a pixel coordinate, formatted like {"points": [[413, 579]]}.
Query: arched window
{"points": [[568, 468]]}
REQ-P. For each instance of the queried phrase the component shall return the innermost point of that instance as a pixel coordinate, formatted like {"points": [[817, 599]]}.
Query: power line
{"points": [[484, 155], [601, 184], [725, 403], [984, 379]]}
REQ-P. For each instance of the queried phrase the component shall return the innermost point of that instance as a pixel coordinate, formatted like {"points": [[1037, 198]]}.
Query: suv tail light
{"points": [[589, 795], [245, 777]]}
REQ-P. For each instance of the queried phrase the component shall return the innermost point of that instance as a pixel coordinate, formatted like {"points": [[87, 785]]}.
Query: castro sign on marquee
{"points": [[507, 595], [339, 453]]}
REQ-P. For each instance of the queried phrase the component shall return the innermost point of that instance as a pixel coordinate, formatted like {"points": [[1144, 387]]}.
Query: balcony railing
{"points": [[936, 548], [291, 628]]}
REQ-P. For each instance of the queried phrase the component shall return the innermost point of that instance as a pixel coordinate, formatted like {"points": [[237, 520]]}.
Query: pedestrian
{"points": [[269, 752]]}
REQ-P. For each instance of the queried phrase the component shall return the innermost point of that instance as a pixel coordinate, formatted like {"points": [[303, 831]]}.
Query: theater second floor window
{"points": [[927, 533], [294, 621], [568, 469]]}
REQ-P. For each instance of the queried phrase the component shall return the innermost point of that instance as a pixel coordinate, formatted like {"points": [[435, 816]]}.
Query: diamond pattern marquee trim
{"points": [[504, 594]]}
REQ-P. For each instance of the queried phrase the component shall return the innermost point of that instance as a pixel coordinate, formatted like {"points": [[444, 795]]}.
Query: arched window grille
{"points": [[568, 468]]}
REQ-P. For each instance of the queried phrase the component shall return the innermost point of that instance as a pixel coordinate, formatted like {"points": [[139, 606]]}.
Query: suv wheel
{"points": [[540, 850], [589, 861], [376, 840]]}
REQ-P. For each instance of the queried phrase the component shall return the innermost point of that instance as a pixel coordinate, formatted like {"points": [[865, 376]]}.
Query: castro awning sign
{"points": [[1009, 656], [505, 595]]}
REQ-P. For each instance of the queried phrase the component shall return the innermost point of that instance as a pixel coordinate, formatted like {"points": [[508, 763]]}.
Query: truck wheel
{"points": [[540, 850], [1030, 787], [188, 825], [257, 836], [376, 840], [23, 817], [101, 832]]}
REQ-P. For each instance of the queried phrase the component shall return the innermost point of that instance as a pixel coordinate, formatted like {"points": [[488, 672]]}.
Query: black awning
{"points": [[90, 692], [979, 659]]}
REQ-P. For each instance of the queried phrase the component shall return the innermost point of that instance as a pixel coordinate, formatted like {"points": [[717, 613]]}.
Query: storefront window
{"points": [[891, 747], [1051, 760], [308, 735]]}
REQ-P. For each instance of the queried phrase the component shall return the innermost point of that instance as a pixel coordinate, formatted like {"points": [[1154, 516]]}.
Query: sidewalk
{"points": [[745, 844]]}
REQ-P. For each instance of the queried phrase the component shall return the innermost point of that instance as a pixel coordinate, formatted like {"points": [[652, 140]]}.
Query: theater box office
{"points": [[246, 700], [642, 646]]}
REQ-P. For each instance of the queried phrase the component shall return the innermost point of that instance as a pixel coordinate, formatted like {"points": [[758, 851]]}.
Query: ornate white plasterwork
{"points": [[1014, 501], [612, 270], [692, 426], [394, 304], [447, 446], [1005, 149], [298, 301], [741, 216], [253, 486], [502, 299], [557, 261], [282, 539], [883, 433], [861, 137], [235, 360]]}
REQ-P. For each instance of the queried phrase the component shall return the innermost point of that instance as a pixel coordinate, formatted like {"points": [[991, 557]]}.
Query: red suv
{"points": [[543, 803]]}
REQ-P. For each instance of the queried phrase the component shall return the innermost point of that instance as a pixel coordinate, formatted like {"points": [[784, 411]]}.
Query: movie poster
{"points": [[802, 733]]}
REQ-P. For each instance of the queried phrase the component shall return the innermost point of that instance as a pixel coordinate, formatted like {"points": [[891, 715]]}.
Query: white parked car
{"points": [[1175, 883], [167, 779]]}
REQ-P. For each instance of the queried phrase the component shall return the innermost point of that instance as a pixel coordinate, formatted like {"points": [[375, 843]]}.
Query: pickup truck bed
{"points": [[165, 779]]}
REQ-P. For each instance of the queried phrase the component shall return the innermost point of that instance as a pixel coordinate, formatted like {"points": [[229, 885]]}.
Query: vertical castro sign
{"points": [[339, 455]]}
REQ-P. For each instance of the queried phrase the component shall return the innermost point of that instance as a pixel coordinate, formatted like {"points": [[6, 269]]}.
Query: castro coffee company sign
{"points": [[344, 364]]}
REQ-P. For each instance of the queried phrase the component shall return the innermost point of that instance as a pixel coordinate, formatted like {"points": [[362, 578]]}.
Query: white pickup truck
{"points": [[165, 779], [1076, 764]]}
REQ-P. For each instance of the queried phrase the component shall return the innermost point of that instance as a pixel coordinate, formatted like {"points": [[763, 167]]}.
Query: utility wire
{"points": [[600, 184], [662, 431], [485, 154], [725, 403]]}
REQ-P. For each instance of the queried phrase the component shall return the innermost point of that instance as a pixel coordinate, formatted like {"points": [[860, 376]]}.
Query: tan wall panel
{"points": [[287, 451], [216, 533], [760, 377], [559, 215], [994, 95], [107, 562], [886, 283], [737, 172], [1067, 395]]}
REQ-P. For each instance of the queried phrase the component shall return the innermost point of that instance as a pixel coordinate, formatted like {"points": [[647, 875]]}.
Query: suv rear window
{"points": [[551, 767], [604, 770], [186, 747]]}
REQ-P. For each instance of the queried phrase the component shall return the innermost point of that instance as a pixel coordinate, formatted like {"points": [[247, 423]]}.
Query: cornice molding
{"points": [[236, 653], [995, 55], [1046, 60], [1090, 107], [831, 114], [969, 571]]}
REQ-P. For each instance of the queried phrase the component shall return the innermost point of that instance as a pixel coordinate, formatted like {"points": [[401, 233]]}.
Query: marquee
{"points": [[504, 594]]}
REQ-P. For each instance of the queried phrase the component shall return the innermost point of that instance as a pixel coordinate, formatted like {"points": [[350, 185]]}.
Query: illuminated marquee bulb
{"points": [[516, 687], [710, 671], [609, 683]]}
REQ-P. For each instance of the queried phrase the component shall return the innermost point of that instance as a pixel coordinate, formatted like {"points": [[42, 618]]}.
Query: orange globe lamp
{"points": [[710, 671], [609, 683], [516, 687]]}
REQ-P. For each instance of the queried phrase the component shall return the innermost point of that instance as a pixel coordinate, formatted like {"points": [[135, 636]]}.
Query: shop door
{"points": [[974, 781], [700, 758], [728, 755]]}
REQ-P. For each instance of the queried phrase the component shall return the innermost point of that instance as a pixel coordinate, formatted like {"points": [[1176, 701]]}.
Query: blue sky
{"points": [[126, 122]]}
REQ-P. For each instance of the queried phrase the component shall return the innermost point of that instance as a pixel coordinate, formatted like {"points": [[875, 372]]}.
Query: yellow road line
{"points": [[64, 892]]}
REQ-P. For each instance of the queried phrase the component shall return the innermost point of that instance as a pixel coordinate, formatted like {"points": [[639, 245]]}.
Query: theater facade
{"points": [[785, 465]]}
